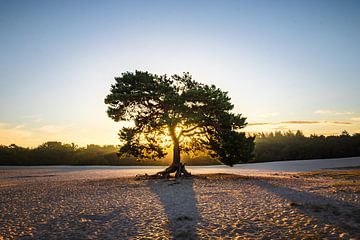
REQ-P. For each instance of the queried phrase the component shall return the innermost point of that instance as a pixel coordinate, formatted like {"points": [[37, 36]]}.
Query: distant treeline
{"points": [[277, 146], [280, 146], [57, 153]]}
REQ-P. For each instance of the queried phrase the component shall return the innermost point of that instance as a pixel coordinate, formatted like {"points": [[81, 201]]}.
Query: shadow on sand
{"points": [[87, 226], [328, 211], [179, 202]]}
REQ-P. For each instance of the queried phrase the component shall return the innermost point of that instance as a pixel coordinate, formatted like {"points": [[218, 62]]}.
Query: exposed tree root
{"points": [[179, 171]]}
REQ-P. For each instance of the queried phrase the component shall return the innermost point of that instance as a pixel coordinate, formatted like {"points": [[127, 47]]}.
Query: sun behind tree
{"points": [[176, 111]]}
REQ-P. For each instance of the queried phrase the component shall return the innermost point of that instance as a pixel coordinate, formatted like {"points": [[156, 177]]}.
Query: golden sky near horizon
{"points": [[30, 135]]}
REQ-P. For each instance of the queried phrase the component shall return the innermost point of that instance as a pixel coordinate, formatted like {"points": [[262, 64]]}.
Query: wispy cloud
{"points": [[28, 135], [355, 119], [321, 127], [300, 122], [342, 123], [332, 112], [281, 128], [51, 128], [285, 122], [8, 133], [262, 114], [37, 118], [259, 123]]}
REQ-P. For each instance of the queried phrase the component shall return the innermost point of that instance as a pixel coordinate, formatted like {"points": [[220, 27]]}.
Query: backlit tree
{"points": [[176, 112]]}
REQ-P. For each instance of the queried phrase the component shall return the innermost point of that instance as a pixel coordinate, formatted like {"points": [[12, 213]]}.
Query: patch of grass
{"points": [[334, 174], [352, 183], [223, 176]]}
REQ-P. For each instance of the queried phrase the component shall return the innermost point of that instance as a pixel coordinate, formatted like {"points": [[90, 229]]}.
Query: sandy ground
{"points": [[213, 206]]}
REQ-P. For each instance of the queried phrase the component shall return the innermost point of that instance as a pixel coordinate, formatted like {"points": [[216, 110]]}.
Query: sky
{"points": [[286, 65]]}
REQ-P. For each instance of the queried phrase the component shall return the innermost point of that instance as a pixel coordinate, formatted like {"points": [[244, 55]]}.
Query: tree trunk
{"points": [[176, 153], [176, 166]]}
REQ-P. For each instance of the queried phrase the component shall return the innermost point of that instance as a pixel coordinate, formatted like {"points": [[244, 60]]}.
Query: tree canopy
{"points": [[180, 112]]}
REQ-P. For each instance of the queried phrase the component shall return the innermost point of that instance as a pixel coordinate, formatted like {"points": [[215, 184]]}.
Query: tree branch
{"points": [[194, 133], [183, 132]]}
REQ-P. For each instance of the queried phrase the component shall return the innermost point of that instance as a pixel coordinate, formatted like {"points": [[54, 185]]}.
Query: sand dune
{"points": [[209, 206]]}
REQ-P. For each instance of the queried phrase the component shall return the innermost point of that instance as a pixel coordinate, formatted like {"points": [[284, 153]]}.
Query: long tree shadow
{"points": [[328, 211], [179, 202]]}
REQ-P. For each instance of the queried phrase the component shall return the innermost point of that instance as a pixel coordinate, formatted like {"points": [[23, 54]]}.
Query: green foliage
{"points": [[232, 146], [57, 153], [176, 111], [295, 146]]}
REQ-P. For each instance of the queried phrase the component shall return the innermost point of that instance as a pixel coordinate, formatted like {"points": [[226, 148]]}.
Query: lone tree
{"points": [[179, 112]]}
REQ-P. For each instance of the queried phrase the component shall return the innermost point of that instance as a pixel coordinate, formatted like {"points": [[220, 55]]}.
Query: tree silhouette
{"points": [[179, 112]]}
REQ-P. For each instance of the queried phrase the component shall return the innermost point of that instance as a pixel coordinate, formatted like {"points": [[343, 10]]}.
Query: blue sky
{"points": [[286, 64]]}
